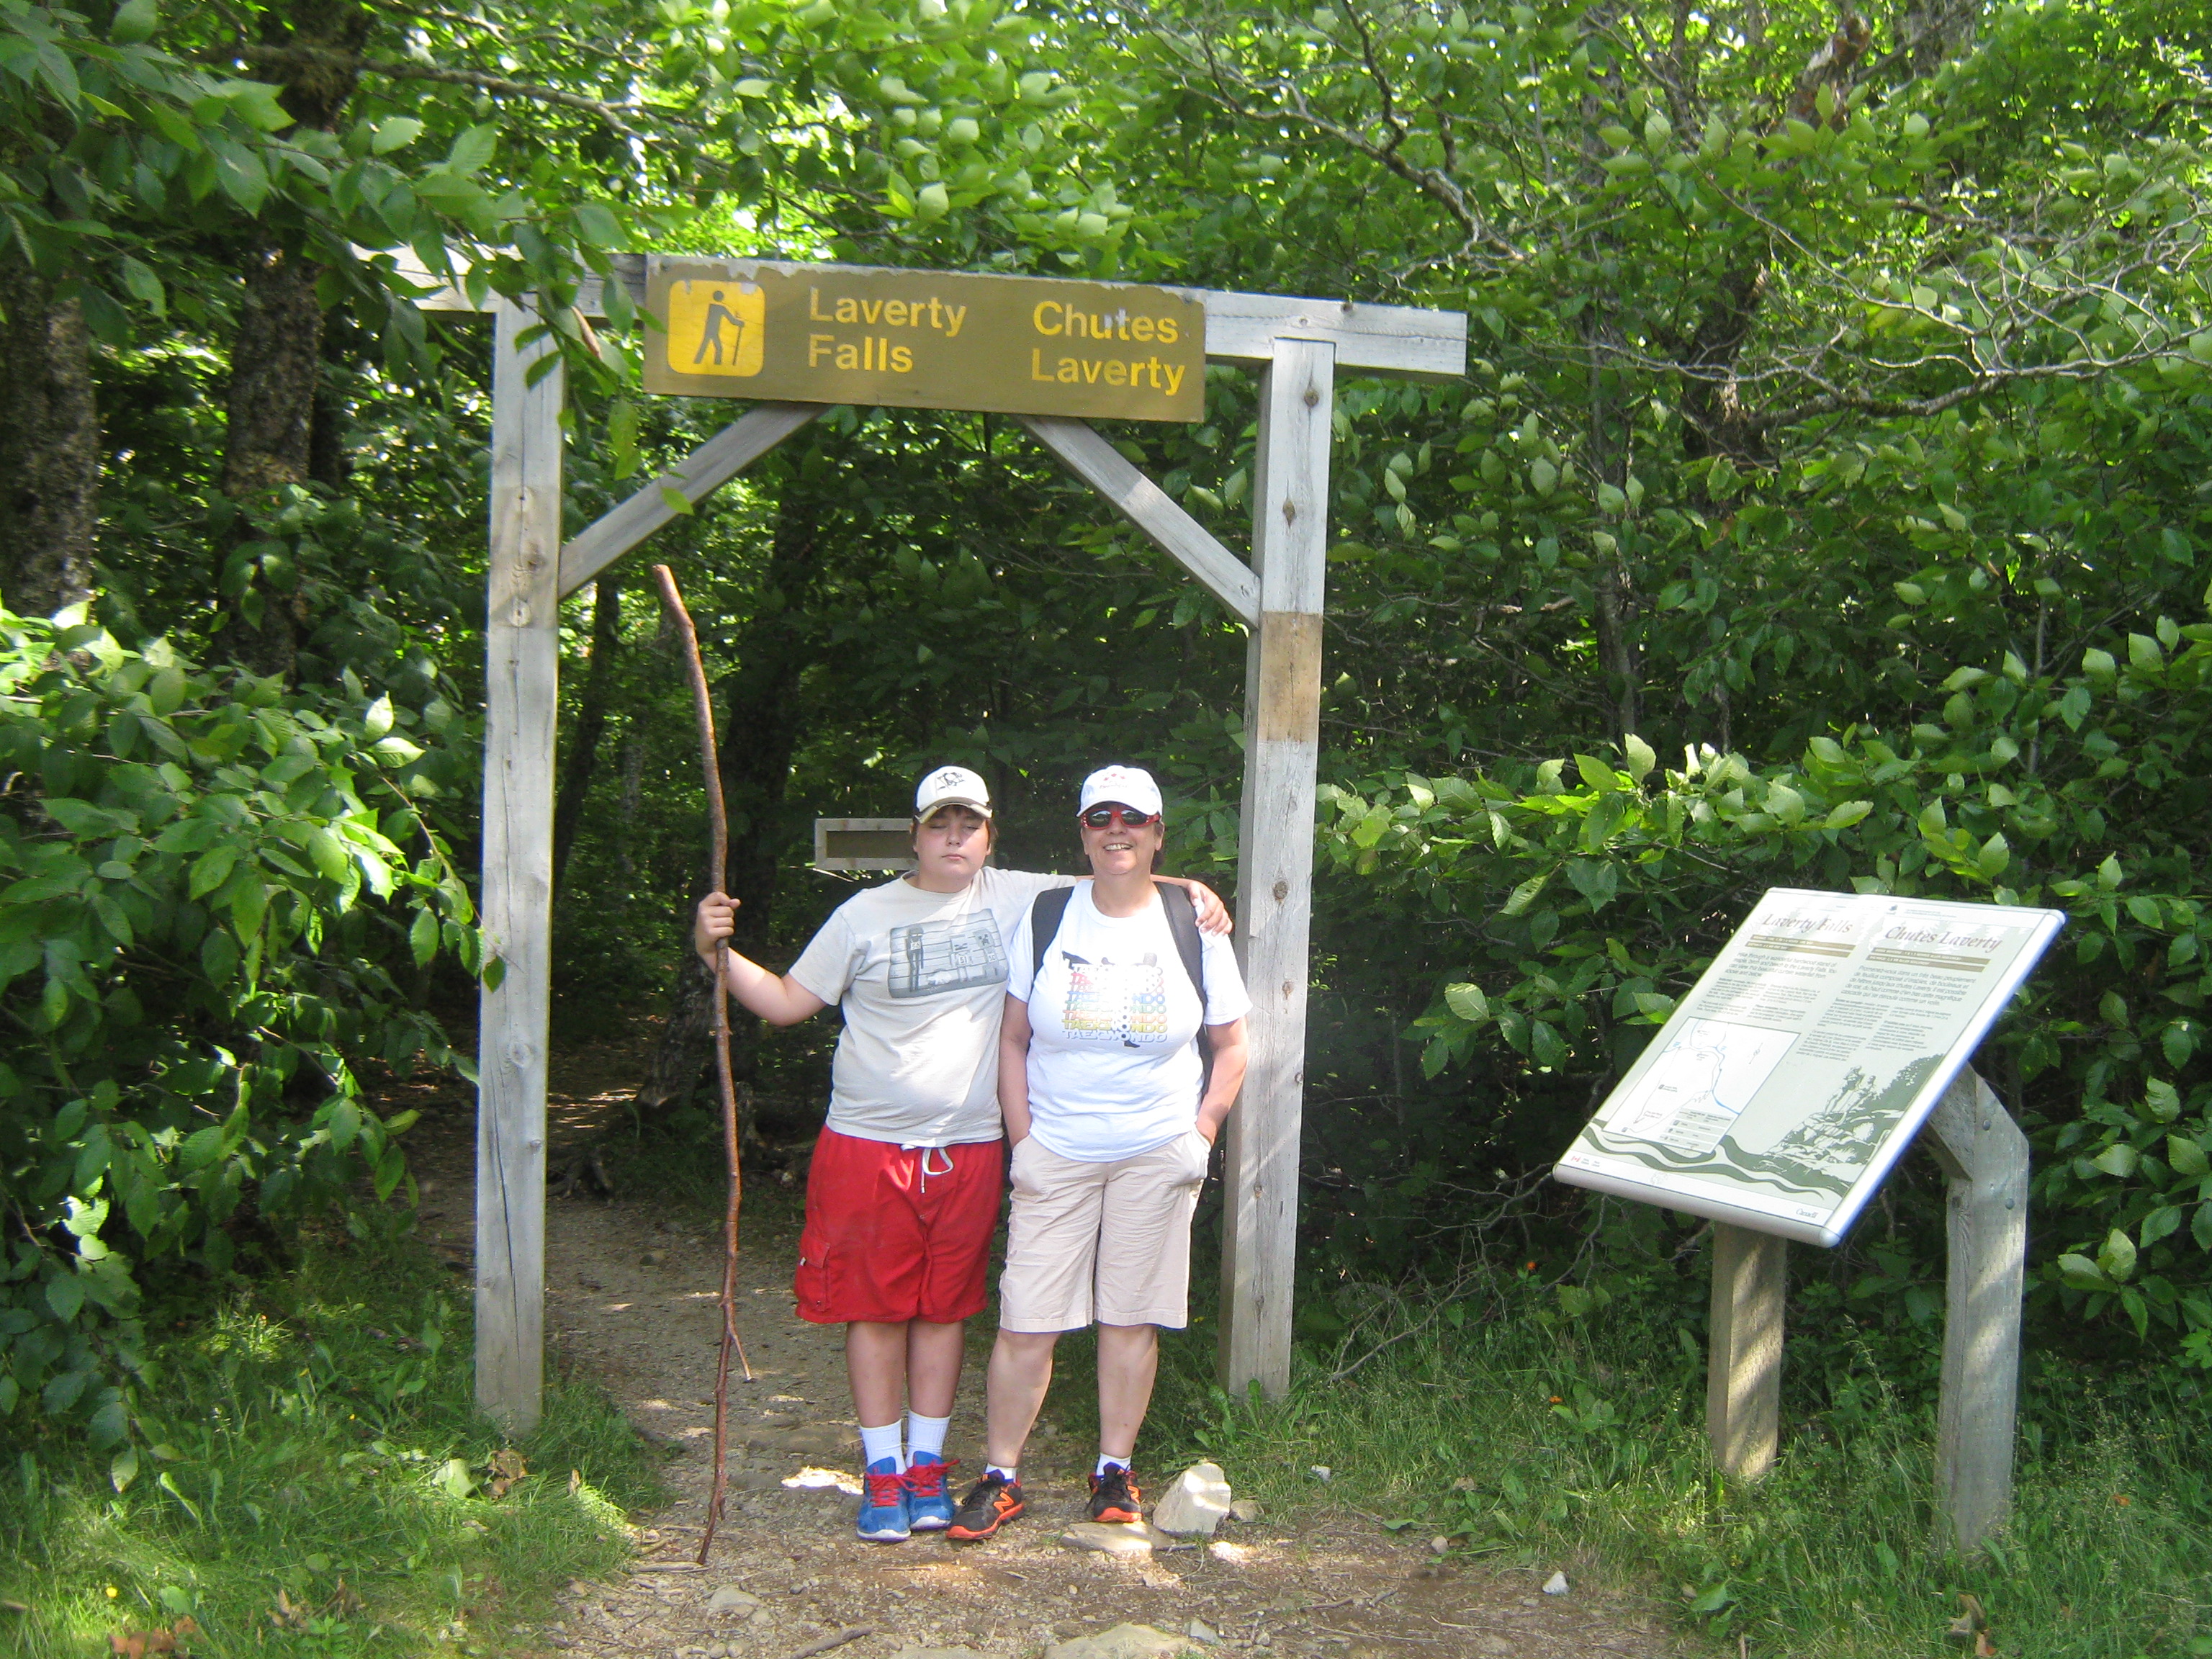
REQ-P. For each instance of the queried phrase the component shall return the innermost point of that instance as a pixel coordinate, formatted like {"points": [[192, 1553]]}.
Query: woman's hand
{"points": [[1214, 916], [717, 918]]}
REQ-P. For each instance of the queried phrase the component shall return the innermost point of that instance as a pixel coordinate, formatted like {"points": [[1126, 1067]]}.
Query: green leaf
{"points": [[423, 938], [1597, 774], [675, 501], [378, 720], [1641, 758], [65, 1295], [2084, 1275], [2187, 1156], [1597, 880], [2117, 1258], [135, 21], [1843, 817], [2200, 1227], [599, 226], [123, 1468], [1522, 896], [1995, 854], [2117, 1159], [328, 853], [1463, 1000], [394, 132], [2165, 1219]]}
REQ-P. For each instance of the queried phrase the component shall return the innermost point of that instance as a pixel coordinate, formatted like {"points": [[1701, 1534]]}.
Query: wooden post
{"points": [[1274, 880], [1743, 1370], [521, 668], [1986, 1156]]}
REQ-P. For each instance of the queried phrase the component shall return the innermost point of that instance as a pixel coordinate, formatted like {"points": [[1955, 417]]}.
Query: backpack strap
{"points": [[1047, 910], [1182, 921]]}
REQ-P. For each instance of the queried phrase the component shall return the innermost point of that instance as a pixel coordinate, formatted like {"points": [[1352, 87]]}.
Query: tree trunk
{"points": [[591, 723], [276, 361], [761, 727], [49, 447]]}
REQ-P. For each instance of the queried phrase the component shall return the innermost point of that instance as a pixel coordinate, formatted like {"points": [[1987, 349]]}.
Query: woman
{"points": [[1112, 1108], [903, 1190]]}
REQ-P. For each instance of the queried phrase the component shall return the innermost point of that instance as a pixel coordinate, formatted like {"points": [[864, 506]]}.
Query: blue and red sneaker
{"points": [[928, 1505], [883, 1517]]}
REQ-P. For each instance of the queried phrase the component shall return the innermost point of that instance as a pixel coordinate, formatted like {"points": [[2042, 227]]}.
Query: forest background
{"points": [[1826, 505]]}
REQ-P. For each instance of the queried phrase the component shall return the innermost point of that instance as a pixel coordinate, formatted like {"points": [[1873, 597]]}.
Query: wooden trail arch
{"points": [[1298, 346]]}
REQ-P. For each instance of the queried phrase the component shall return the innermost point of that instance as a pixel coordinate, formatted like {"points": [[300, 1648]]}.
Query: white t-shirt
{"points": [[1113, 1065], [920, 978]]}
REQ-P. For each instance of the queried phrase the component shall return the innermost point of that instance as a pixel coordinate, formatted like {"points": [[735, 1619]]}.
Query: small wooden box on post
{"points": [[1826, 1034], [1298, 345]]}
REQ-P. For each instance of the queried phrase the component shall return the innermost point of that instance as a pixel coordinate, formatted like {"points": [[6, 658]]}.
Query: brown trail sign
{"points": [[1020, 346]]}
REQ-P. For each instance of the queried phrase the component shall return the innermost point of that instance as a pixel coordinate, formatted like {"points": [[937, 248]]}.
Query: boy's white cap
{"points": [[1126, 785], [951, 786]]}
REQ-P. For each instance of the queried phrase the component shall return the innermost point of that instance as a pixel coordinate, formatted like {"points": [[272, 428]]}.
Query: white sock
{"points": [[1003, 1471], [1109, 1461], [925, 1434], [877, 1444]]}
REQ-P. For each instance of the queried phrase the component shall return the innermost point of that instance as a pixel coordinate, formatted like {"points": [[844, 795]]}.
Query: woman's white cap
{"points": [[951, 786], [1126, 785]]}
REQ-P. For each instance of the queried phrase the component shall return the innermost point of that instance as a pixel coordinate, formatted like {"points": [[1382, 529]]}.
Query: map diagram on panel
{"points": [[1701, 1080], [935, 958]]}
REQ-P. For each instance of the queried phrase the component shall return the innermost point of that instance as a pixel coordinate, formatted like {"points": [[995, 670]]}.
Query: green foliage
{"points": [[1595, 892], [316, 1474], [213, 889], [1532, 1441]]}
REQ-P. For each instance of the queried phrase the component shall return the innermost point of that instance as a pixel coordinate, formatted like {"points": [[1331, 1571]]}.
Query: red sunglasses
{"points": [[1105, 818]]}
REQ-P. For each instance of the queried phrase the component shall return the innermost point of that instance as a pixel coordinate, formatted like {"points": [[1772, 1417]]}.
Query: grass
{"points": [[313, 1479], [1539, 1441]]}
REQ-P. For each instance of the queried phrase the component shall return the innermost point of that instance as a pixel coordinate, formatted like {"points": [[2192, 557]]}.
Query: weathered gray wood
{"points": [[1986, 1156], [1275, 881], [521, 666], [1743, 1369], [1146, 505], [697, 477], [1403, 342]]}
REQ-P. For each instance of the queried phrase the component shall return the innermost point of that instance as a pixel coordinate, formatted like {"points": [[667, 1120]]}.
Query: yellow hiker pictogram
{"points": [[716, 327]]}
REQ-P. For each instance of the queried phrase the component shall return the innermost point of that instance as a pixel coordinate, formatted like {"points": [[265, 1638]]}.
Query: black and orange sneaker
{"points": [[990, 1503], [1114, 1497]]}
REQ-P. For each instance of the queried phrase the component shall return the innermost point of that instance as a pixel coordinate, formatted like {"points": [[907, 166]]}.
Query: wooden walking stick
{"points": [[718, 822]]}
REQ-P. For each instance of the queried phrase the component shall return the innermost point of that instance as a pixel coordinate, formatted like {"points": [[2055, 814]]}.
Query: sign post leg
{"points": [[1986, 1156], [1743, 1376], [1274, 879], [521, 667]]}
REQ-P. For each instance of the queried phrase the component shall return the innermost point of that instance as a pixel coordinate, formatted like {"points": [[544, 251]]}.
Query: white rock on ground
{"points": [[1556, 1584], [1114, 1537], [939, 1653], [1195, 1502], [1122, 1642], [730, 1597], [1200, 1630]]}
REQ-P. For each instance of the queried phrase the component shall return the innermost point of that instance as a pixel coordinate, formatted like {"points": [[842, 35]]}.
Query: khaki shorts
{"points": [[1122, 1227]]}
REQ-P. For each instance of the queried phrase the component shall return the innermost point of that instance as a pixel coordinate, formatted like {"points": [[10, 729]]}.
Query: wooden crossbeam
{"points": [[1403, 342], [694, 477], [1146, 506]]}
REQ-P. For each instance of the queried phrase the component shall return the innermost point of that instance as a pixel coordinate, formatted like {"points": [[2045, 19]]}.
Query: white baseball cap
{"points": [[951, 786], [1126, 785]]}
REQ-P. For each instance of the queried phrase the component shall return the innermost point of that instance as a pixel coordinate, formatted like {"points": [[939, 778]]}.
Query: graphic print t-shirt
{"points": [[1114, 1062], [921, 980]]}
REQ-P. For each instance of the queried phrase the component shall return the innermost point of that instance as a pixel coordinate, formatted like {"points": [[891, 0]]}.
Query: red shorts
{"points": [[893, 1235]]}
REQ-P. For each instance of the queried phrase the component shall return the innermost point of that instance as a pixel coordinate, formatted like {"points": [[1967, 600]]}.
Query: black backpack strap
{"points": [[1182, 921], [1046, 911]]}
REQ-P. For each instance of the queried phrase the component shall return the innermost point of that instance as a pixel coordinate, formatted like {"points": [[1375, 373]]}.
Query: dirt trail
{"points": [[630, 1302]]}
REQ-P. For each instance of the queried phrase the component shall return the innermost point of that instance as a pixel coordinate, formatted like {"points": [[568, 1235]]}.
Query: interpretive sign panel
{"points": [[1800, 1066], [924, 339]]}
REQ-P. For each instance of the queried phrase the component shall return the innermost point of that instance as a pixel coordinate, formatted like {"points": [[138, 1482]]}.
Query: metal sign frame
{"points": [[1297, 346]]}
